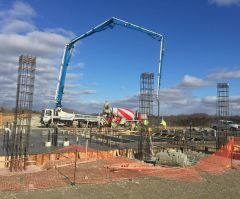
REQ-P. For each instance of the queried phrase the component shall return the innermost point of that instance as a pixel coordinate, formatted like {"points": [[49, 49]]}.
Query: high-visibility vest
{"points": [[145, 122], [163, 123], [113, 124]]}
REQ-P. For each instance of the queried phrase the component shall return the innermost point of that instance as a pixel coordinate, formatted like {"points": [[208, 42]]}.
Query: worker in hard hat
{"points": [[163, 123], [150, 131], [145, 122]]}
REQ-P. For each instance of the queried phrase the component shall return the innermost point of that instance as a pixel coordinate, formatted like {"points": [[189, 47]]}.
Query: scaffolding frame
{"points": [[146, 93]]}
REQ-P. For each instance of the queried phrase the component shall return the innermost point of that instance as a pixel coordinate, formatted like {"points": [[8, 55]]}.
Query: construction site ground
{"points": [[213, 186], [117, 177], [103, 175]]}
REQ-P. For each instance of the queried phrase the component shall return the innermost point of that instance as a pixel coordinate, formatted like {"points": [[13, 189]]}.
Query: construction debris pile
{"points": [[178, 158]]}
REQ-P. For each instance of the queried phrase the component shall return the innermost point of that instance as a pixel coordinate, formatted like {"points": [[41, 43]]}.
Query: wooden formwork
{"points": [[5, 117], [42, 159]]}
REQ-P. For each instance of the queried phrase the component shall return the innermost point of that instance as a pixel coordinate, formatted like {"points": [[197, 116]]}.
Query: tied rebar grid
{"points": [[146, 93], [222, 100], [23, 112]]}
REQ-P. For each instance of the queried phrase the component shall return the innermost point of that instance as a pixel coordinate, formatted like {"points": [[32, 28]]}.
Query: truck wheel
{"points": [[232, 129], [83, 125]]}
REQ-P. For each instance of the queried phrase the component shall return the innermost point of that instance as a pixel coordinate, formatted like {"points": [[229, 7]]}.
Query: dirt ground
{"points": [[222, 186]]}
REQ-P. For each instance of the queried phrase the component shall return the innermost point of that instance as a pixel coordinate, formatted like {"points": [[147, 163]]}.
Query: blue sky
{"points": [[201, 49]]}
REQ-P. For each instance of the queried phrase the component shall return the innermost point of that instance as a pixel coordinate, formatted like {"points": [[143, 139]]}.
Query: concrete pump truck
{"points": [[57, 115]]}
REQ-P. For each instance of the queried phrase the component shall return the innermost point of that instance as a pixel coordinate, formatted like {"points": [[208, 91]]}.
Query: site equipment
{"points": [[225, 125], [121, 116], [110, 23], [57, 114]]}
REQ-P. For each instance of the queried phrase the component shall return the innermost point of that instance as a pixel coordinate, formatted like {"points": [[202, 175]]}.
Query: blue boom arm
{"points": [[110, 23]]}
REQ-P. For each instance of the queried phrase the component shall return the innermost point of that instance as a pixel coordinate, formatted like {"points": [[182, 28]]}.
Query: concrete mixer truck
{"points": [[121, 116]]}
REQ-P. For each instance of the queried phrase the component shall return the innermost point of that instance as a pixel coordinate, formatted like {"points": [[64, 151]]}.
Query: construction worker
{"points": [[163, 123], [113, 124], [145, 122], [133, 126], [150, 131]]}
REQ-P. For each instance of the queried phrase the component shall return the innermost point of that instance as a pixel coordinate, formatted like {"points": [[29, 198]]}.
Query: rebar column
{"points": [[23, 113], [146, 93], [222, 108]]}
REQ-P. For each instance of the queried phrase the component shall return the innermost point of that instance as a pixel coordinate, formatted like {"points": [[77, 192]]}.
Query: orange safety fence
{"points": [[219, 161], [235, 155], [57, 168]]}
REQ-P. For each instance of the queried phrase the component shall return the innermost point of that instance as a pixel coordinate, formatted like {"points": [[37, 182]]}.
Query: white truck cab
{"points": [[47, 117]]}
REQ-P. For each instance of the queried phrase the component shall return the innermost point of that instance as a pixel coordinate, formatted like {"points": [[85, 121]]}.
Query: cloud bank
{"points": [[225, 2], [20, 35]]}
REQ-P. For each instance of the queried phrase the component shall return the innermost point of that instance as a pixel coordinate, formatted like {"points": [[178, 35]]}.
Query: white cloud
{"points": [[225, 74], [225, 2], [172, 94], [17, 26], [60, 31], [89, 92], [127, 102], [174, 100], [77, 66], [19, 35], [177, 101], [192, 82], [209, 99], [19, 10], [17, 19]]}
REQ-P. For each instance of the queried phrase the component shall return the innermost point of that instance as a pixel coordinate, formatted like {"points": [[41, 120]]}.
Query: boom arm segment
{"points": [[110, 23]]}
